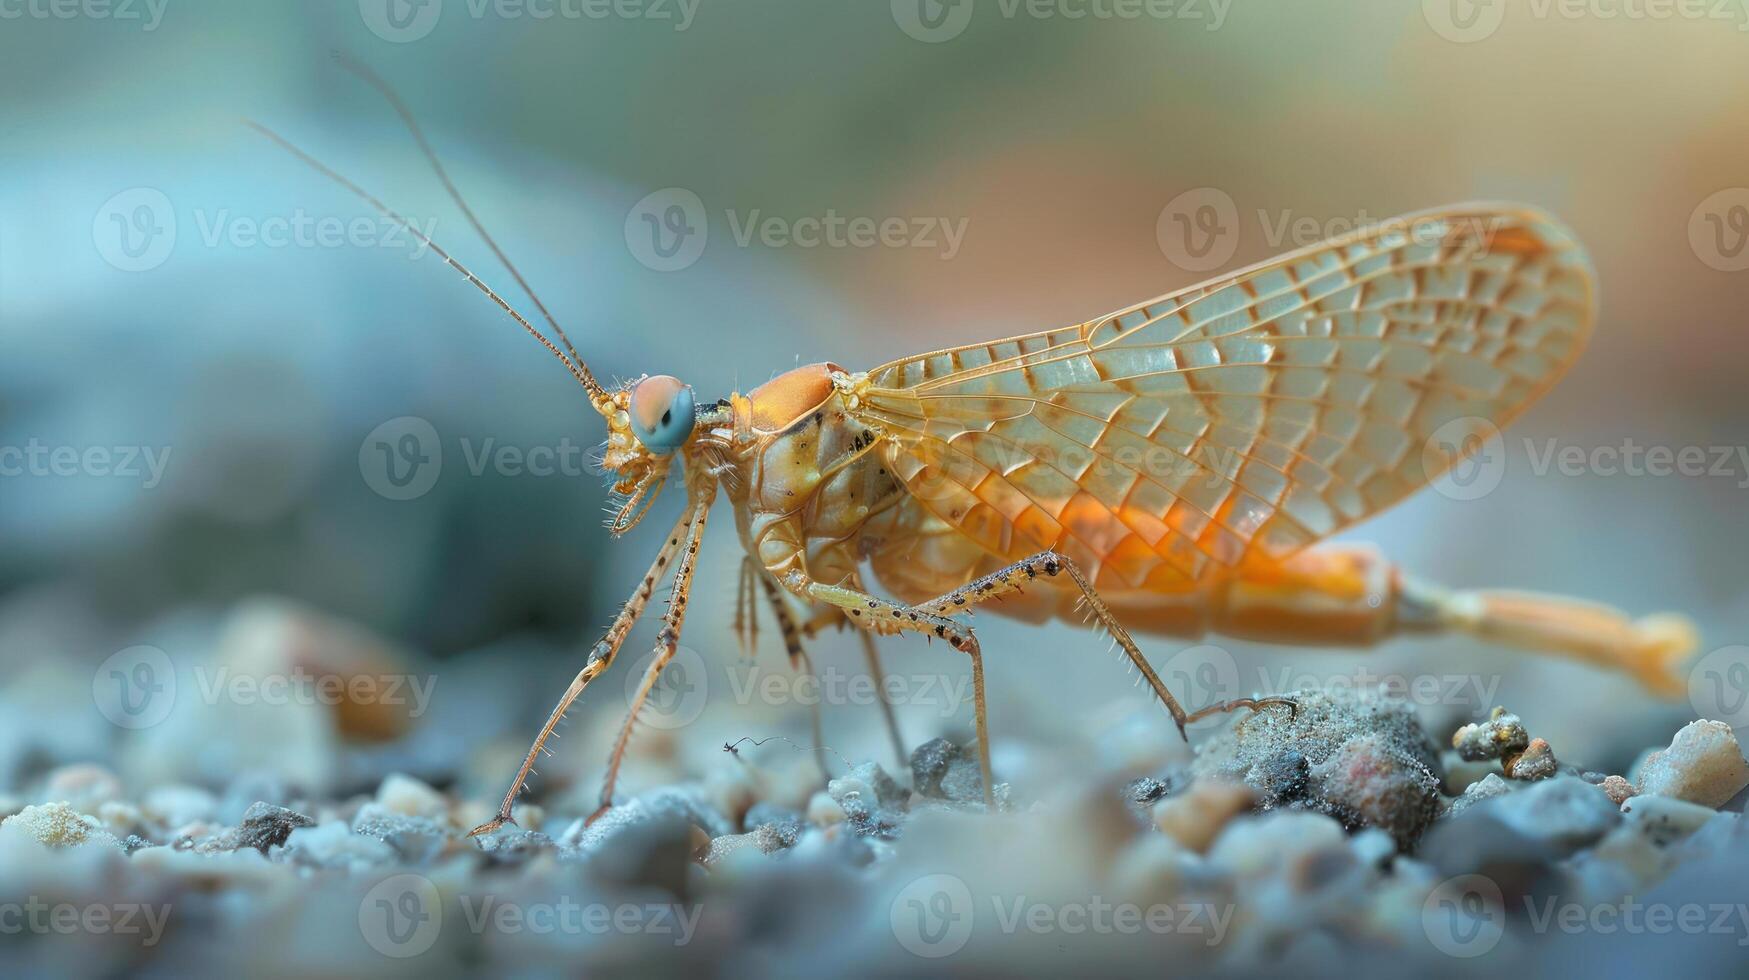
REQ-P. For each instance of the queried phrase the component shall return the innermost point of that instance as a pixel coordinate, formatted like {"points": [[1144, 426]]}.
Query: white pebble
{"points": [[1703, 765], [57, 825], [409, 797], [824, 811]]}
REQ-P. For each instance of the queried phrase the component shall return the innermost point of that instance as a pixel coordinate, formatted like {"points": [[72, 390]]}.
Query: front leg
{"points": [[667, 644], [600, 657]]}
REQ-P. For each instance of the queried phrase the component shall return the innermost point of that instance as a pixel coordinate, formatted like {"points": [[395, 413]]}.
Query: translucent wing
{"points": [[1243, 419]]}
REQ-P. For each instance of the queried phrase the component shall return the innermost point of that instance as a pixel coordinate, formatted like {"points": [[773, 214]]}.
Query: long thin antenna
{"points": [[577, 368], [377, 82]]}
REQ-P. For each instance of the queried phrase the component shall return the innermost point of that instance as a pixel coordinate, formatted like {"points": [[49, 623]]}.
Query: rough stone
{"points": [[265, 825], [1703, 764]]}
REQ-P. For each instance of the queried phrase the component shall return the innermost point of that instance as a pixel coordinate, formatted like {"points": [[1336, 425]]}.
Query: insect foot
{"points": [[1358, 755], [1223, 707], [492, 825]]}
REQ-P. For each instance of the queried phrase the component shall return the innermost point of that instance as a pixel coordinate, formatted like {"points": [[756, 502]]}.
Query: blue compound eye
{"points": [[661, 412]]}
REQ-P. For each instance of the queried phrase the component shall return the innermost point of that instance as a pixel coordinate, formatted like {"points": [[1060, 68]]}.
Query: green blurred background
{"points": [[1055, 142]]}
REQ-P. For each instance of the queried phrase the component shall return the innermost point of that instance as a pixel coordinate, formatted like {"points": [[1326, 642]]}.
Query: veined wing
{"points": [[1245, 418]]}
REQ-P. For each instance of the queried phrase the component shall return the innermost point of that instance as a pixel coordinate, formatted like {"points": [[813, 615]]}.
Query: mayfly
{"points": [[1173, 467]]}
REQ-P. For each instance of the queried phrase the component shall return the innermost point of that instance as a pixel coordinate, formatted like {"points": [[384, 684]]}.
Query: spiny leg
{"points": [[1050, 564], [667, 643], [798, 661], [885, 616], [834, 616], [600, 657]]}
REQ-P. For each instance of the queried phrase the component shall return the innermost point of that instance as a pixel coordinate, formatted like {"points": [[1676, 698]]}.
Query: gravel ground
{"points": [[1343, 836]]}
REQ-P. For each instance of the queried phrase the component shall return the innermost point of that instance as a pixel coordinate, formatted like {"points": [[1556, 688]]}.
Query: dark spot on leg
{"points": [[941, 631]]}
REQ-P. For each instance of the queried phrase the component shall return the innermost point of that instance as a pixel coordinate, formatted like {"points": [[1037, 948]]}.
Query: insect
{"points": [[1174, 467]]}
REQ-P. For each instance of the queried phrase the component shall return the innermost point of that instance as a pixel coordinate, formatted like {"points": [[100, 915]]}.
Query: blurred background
{"points": [[249, 429]]}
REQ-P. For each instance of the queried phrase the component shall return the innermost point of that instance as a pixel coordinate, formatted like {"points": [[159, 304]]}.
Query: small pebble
{"points": [[1665, 819], [1565, 813], [332, 844], [1501, 735], [1703, 764], [405, 795], [1195, 817], [1486, 788], [1618, 790], [1537, 761], [824, 811], [58, 825], [265, 825]]}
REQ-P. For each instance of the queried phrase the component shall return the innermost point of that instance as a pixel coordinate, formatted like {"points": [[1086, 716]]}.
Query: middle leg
{"points": [[1052, 565], [884, 616]]}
